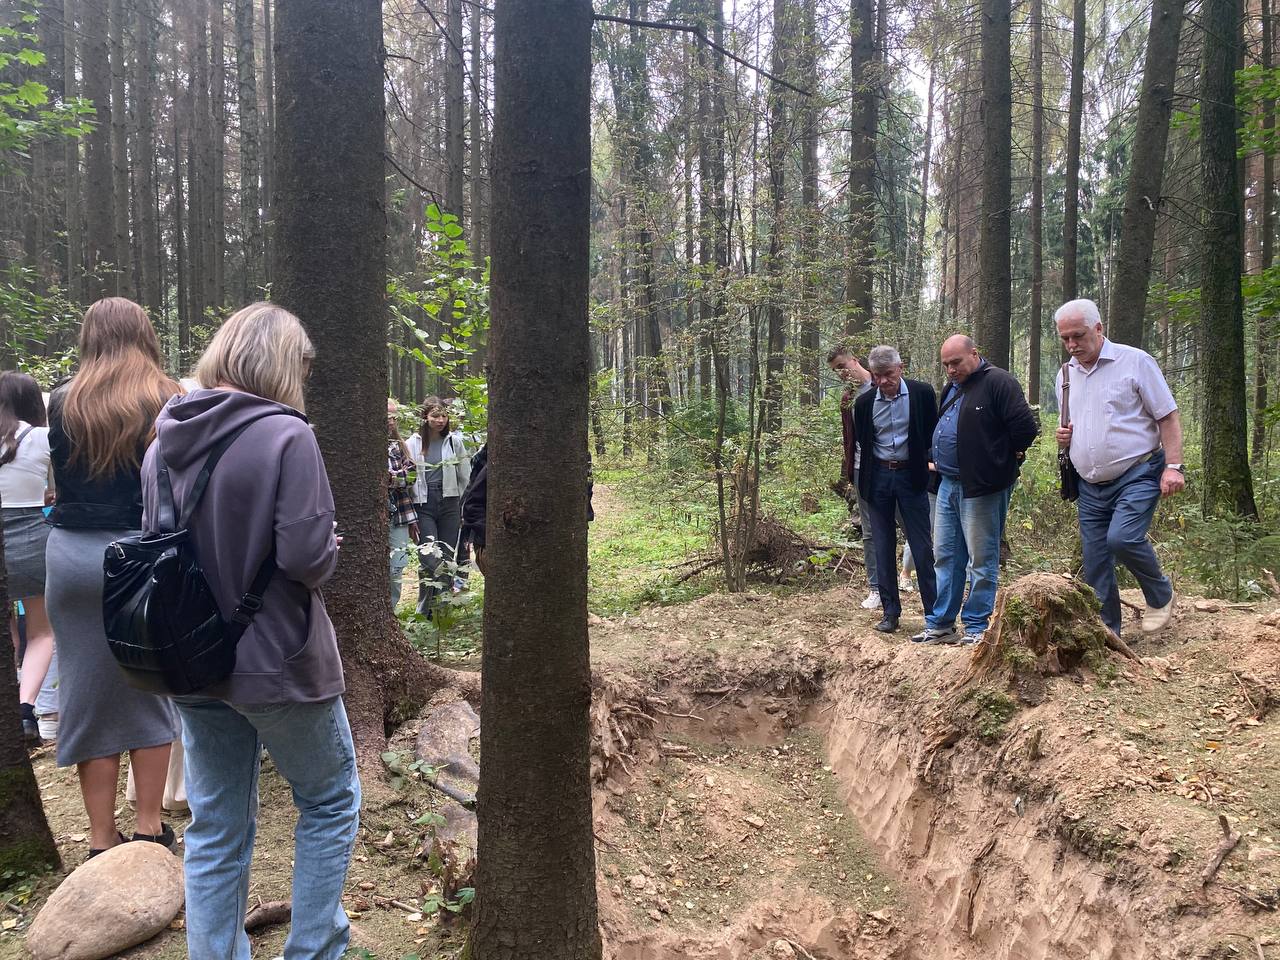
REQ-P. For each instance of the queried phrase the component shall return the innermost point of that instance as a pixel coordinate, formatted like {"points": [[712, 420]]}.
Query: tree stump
{"points": [[1045, 625]]}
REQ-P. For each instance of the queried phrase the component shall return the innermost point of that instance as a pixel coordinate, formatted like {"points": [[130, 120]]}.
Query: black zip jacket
{"points": [[995, 429]]}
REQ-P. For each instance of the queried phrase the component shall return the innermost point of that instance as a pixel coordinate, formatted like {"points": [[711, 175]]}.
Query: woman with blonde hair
{"points": [[267, 510], [100, 423]]}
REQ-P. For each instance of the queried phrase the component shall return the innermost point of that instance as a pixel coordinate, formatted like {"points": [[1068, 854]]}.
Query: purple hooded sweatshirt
{"points": [[269, 487]]}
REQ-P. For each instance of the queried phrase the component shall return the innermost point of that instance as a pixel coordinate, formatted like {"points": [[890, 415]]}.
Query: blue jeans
{"points": [[399, 560], [311, 746], [891, 492], [1114, 519], [966, 537]]}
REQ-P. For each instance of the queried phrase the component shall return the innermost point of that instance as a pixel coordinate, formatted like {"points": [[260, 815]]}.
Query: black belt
{"points": [[893, 464]]}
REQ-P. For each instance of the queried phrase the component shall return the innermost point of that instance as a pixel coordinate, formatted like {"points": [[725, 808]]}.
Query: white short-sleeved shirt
{"points": [[1115, 407], [24, 479]]}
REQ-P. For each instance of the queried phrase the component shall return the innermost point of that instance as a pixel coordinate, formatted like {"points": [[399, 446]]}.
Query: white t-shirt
{"points": [[24, 479]]}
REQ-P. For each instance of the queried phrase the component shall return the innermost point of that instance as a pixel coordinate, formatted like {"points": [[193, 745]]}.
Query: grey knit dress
{"points": [[99, 714]]}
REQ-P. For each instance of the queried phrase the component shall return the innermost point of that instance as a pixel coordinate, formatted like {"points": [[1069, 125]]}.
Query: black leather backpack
{"points": [[162, 622]]}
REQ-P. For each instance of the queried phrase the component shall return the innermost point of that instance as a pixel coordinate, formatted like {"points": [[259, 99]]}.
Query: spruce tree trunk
{"points": [[145, 74], [862, 168], [1228, 483], [775, 313], [917, 264], [1126, 320], [536, 880], [1036, 320], [810, 286], [995, 302], [478, 151], [455, 144], [119, 152], [1263, 346], [26, 843], [331, 272], [268, 137], [1075, 108], [217, 147], [75, 228], [250, 198], [100, 227]]}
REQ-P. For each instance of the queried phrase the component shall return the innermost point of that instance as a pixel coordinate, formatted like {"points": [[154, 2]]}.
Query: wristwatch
{"points": [[1176, 466]]}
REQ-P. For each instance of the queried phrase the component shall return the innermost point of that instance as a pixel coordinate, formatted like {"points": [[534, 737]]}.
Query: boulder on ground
{"points": [[115, 901]]}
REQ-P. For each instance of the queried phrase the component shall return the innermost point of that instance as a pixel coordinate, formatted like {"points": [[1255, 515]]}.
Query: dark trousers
{"points": [[439, 521], [1114, 519], [891, 492]]}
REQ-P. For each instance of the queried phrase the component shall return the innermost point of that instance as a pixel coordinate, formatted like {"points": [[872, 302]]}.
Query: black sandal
{"points": [[165, 838], [93, 853]]}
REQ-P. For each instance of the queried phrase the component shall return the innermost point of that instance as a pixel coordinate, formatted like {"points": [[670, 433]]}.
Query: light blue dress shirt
{"points": [[891, 418]]}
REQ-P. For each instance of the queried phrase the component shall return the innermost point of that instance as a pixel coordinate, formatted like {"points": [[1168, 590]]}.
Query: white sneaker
{"points": [[905, 585], [872, 602], [1157, 618]]}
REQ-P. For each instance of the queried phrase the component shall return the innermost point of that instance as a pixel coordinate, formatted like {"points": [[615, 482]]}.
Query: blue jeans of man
{"points": [[1114, 519], [966, 548], [311, 746], [891, 492]]}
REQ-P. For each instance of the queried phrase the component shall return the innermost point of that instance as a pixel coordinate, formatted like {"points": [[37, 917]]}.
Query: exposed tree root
{"points": [[1045, 625], [268, 915]]}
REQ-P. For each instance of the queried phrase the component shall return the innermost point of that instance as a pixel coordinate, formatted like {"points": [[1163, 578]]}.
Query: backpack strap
{"points": [[251, 602], [168, 521]]}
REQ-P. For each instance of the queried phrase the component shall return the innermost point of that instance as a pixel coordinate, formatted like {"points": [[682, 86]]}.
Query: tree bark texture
{"points": [[995, 304], [1126, 320], [1075, 109], [779, 138], [71, 199], [536, 882], [100, 228], [1228, 483], [862, 168], [145, 77], [1035, 321], [454, 112], [250, 198], [119, 151], [810, 216], [329, 200], [26, 843], [1263, 345]]}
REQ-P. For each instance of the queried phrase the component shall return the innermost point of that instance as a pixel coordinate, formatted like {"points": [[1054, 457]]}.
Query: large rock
{"points": [[445, 744], [115, 901]]}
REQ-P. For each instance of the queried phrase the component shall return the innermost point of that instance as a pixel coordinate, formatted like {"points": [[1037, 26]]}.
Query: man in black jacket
{"points": [[897, 420], [984, 428]]}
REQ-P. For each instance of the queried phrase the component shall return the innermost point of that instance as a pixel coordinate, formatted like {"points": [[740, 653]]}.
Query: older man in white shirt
{"points": [[1125, 439]]}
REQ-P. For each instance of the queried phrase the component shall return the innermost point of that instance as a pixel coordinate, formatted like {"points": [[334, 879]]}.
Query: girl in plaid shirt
{"points": [[401, 515]]}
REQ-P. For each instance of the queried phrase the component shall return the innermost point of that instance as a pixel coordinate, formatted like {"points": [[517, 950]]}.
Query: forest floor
{"points": [[775, 780]]}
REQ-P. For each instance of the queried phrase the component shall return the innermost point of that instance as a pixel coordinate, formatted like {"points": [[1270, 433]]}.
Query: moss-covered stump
{"points": [[1045, 625]]}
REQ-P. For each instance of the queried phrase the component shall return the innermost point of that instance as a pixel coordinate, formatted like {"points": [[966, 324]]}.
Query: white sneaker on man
{"points": [[905, 585], [1157, 618], [872, 602]]}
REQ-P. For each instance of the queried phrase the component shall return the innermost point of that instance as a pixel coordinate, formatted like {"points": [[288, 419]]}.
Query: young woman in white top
{"points": [[26, 483], [444, 467]]}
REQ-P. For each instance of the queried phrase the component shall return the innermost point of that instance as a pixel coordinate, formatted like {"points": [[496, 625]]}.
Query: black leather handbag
{"points": [[163, 624], [1068, 476]]}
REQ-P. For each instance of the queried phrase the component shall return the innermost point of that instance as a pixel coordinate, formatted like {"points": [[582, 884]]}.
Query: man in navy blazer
{"points": [[898, 418]]}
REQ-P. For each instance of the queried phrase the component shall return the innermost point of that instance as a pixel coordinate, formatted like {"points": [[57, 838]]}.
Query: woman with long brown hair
{"points": [[100, 424]]}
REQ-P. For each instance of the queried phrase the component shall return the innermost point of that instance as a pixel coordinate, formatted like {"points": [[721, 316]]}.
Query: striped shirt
{"points": [[1115, 409]]}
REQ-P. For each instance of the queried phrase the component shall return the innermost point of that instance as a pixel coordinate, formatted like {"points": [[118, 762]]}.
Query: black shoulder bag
{"points": [[162, 622], [1068, 476]]}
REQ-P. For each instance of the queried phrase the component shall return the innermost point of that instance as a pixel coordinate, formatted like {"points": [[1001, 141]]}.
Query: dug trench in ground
{"points": [[973, 827]]}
